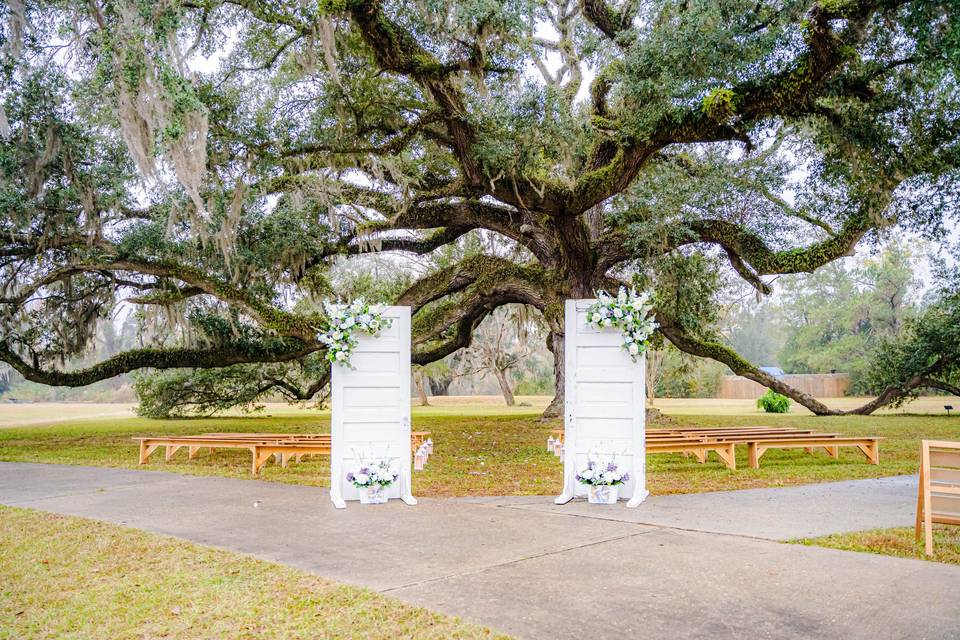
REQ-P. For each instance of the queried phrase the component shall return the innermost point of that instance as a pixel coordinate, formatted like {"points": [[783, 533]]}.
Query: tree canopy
{"points": [[206, 161]]}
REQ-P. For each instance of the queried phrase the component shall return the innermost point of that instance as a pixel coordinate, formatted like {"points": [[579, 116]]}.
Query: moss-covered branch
{"points": [[172, 358], [726, 112]]}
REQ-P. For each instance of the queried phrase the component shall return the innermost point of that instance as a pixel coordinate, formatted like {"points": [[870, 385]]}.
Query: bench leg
{"points": [[192, 453], [919, 521], [701, 456], [872, 451], [171, 449], [808, 449], [259, 459], [753, 455], [146, 450], [833, 452], [284, 459], [728, 454]]}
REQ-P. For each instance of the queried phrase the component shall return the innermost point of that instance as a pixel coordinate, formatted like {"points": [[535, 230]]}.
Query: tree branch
{"points": [[221, 356]]}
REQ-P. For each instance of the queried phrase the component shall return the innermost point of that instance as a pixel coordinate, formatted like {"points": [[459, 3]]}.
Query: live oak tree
{"points": [[206, 161]]}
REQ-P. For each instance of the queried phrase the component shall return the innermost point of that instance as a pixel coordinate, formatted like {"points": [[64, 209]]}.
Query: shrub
{"points": [[773, 402]]}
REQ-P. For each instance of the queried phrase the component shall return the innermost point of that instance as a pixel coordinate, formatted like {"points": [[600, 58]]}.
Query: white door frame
{"points": [[382, 362], [575, 325]]}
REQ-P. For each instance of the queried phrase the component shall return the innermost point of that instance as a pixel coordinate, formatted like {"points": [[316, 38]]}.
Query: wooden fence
{"points": [[819, 385]]}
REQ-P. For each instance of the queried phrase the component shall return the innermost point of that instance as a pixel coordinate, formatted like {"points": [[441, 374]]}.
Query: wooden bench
{"points": [[699, 448], [700, 441], [869, 446], [284, 446], [261, 449], [417, 438], [938, 495]]}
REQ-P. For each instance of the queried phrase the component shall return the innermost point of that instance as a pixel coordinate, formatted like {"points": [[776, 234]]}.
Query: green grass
{"points": [[65, 577], [483, 449], [900, 542]]}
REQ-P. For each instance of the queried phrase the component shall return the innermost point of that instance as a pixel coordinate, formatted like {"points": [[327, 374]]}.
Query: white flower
{"points": [[586, 474], [374, 325], [337, 335], [361, 478], [618, 312], [607, 322], [597, 318], [633, 349], [348, 322], [629, 318], [366, 318], [341, 355]]}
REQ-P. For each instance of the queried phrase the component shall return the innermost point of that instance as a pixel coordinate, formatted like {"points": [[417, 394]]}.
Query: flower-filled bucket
{"points": [[373, 481], [603, 494], [603, 480], [375, 494]]}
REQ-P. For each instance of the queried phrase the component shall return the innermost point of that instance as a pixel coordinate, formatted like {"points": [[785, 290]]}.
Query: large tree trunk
{"points": [[555, 345], [504, 383]]}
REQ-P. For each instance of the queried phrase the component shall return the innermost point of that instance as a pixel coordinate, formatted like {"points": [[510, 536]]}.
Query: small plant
{"points": [[773, 402]]}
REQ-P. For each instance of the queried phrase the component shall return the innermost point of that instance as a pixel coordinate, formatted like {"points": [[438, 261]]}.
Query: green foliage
{"points": [[683, 376], [686, 290], [180, 393], [221, 194], [719, 104], [926, 352], [773, 402], [834, 319]]}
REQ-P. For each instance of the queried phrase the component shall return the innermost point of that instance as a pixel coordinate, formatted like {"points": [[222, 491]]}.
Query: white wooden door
{"points": [[371, 409], [605, 404]]}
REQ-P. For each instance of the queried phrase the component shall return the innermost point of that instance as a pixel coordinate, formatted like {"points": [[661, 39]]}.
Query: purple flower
{"points": [[350, 477], [625, 477], [612, 466], [365, 470]]}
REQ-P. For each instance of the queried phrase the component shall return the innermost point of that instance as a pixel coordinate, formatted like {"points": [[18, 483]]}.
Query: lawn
{"points": [[484, 448], [900, 542], [65, 577]]}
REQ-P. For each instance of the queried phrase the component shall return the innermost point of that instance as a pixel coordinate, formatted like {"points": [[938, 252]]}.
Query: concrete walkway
{"points": [[526, 567], [788, 513]]}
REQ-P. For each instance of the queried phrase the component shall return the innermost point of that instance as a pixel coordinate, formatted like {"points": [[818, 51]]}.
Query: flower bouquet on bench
{"points": [[603, 481], [373, 481]]}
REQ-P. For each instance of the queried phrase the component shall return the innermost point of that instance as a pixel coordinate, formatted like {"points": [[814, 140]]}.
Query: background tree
{"points": [[834, 319], [501, 345], [925, 354], [207, 161]]}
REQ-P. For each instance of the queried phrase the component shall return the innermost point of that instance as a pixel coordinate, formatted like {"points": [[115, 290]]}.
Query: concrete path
{"points": [[528, 568], [775, 514]]}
